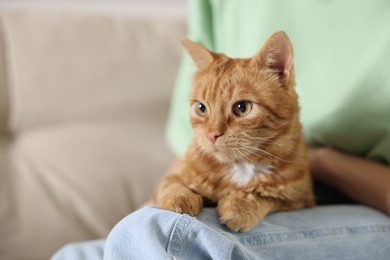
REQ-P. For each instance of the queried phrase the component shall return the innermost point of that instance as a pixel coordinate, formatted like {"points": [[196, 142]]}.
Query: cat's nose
{"points": [[213, 136]]}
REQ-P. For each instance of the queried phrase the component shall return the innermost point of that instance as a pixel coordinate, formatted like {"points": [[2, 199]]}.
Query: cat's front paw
{"points": [[239, 215], [182, 202]]}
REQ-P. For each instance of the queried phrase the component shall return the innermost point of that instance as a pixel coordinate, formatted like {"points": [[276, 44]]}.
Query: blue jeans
{"points": [[326, 232]]}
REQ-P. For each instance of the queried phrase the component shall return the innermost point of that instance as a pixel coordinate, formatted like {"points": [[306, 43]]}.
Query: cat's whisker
{"points": [[266, 140], [235, 155], [243, 155], [270, 154], [247, 149], [251, 152]]}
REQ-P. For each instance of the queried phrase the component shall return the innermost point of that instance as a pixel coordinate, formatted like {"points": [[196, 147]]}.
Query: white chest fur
{"points": [[244, 173]]}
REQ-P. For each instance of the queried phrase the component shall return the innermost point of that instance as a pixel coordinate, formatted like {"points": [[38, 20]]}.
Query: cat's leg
{"points": [[175, 196], [243, 214]]}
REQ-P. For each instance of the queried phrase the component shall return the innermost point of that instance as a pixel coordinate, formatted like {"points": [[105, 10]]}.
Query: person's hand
{"points": [[322, 161], [361, 179]]}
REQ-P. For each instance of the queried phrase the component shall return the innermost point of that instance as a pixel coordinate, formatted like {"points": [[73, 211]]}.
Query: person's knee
{"points": [[140, 232]]}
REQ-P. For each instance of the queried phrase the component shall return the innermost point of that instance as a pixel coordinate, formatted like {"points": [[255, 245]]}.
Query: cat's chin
{"points": [[217, 154], [223, 157]]}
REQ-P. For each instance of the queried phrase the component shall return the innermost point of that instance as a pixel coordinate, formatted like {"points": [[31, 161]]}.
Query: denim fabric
{"points": [[326, 232], [80, 251]]}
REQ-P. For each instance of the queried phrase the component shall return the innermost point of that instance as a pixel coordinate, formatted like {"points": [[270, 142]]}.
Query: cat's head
{"points": [[239, 104]]}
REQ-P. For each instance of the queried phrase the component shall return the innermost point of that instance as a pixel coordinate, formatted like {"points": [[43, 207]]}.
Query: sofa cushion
{"points": [[82, 130]]}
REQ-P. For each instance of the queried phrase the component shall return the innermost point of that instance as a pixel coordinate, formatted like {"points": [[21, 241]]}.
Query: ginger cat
{"points": [[247, 155]]}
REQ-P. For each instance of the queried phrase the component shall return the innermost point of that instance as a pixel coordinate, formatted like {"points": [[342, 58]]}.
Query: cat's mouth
{"points": [[229, 149]]}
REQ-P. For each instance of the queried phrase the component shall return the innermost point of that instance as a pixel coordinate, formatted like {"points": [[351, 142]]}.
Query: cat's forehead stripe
{"points": [[210, 90], [217, 89], [223, 66]]}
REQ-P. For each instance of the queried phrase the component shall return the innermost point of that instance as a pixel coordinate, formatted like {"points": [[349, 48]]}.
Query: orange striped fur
{"points": [[247, 155]]}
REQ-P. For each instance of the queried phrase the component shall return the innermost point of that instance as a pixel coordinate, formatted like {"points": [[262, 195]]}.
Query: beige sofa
{"points": [[84, 95]]}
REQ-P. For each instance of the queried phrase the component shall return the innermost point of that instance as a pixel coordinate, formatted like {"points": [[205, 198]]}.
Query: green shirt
{"points": [[342, 65]]}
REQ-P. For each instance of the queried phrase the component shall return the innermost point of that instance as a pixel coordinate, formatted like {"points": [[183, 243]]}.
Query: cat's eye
{"points": [[200, 108], [242, 108]]}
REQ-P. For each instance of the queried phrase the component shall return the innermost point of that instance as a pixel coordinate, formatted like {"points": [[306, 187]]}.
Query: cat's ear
{"points": [[277, 56], [199, 54]]}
